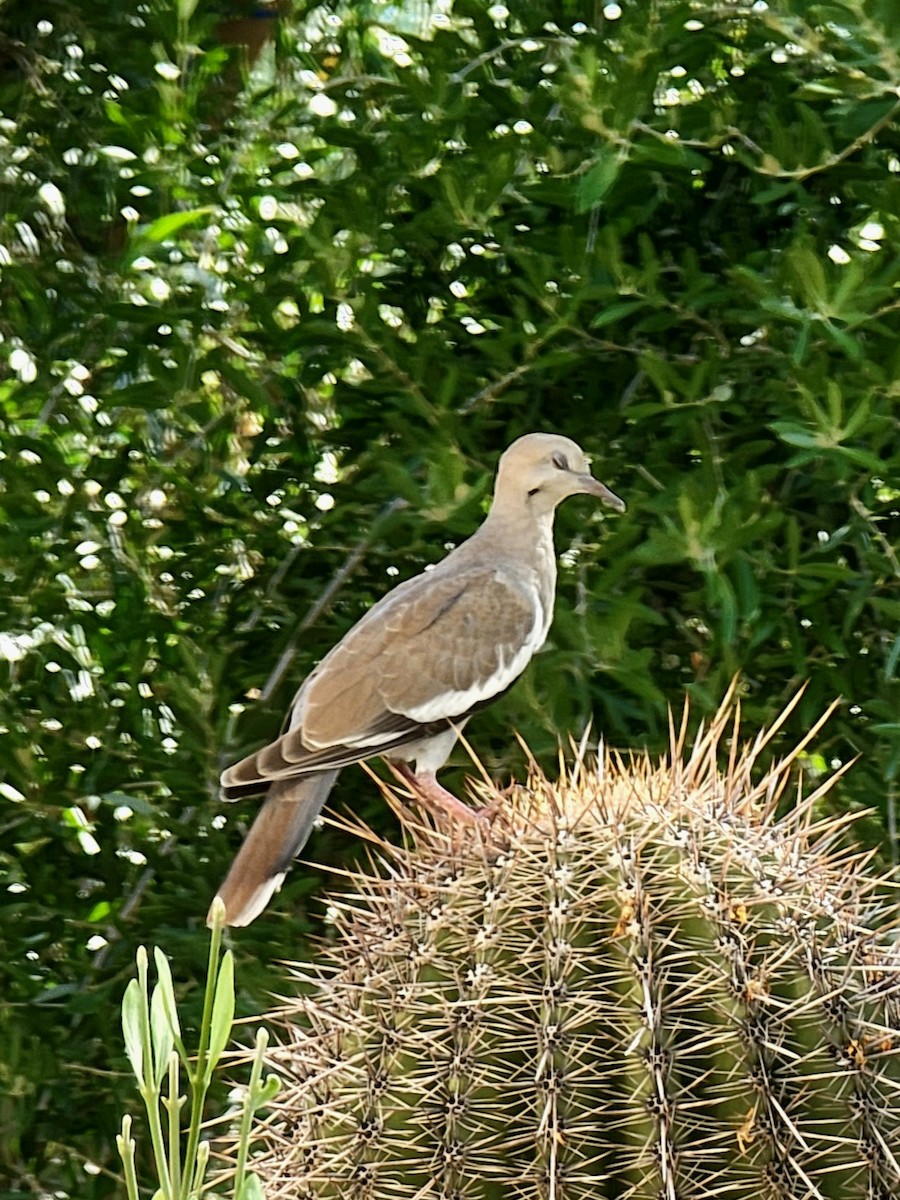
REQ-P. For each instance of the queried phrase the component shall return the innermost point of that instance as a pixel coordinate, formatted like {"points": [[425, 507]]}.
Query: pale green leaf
{"points": [[272, 1084], [166, 989], [252, 1189], [223, 1011], [161, 1032], [132, 1003]]}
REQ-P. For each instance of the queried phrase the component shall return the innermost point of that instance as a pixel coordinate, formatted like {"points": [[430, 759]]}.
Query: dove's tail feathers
{"points": [[280, 830]]}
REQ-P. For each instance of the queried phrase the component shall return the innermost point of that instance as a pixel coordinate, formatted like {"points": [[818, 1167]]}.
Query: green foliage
{"points": [[643, 985], [263, 340], [156, 1052]]}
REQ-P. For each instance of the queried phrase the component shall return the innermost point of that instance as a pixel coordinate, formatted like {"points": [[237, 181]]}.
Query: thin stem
{"points": [[125, 1143], [249, 1108], [202, 1160], [149, 1088], [174, 1110], [197, 1077]]}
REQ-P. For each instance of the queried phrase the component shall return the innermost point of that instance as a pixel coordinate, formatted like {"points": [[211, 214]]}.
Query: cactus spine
{"points": [[655, 989]]}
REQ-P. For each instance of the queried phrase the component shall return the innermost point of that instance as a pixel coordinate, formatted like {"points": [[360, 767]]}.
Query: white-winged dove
{"points": [[409, 674]]}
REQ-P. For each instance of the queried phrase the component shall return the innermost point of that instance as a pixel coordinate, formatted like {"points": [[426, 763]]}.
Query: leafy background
{"points": [[268, 317]]}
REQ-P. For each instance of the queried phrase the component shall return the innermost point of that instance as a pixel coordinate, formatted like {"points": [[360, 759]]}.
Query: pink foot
{"points": [[427, 788], [437, 799]]}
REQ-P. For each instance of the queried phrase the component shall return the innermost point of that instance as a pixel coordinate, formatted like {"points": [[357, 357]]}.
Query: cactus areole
{"points": [[644, 985]]}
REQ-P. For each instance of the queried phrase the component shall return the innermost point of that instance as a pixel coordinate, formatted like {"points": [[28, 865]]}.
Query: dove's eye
{"points": [[560, 460]]}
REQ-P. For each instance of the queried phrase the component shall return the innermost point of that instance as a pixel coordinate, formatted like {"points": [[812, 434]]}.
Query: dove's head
{"points": [[541, 469]]}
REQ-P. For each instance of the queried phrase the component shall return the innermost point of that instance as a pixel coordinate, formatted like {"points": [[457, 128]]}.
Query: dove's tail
{"points": [[280, 830]]}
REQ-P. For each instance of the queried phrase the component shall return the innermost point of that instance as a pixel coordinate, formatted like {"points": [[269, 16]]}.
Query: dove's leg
{"points": [[427, 788]]}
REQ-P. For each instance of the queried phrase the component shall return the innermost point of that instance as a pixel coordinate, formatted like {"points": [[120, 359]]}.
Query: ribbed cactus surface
{"points": [[643, 985]]}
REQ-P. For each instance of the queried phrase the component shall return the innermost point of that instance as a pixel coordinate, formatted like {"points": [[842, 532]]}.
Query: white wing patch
{"points": [[456, 703]]}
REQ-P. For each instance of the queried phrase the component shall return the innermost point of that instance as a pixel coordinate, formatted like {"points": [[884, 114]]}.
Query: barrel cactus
{"points": [[645, 983]]}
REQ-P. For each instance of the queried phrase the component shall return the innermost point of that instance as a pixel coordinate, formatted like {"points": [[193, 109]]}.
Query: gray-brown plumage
{"points": [[405, 679]]}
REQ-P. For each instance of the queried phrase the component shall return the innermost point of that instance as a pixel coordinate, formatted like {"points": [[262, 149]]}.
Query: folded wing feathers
{"points": [[473, 652], [439, 649], [253, 773]]}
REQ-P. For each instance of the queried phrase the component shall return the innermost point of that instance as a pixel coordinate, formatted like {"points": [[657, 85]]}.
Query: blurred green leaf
{"points": [[616, 311], [597, 181], [163, 228]]}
